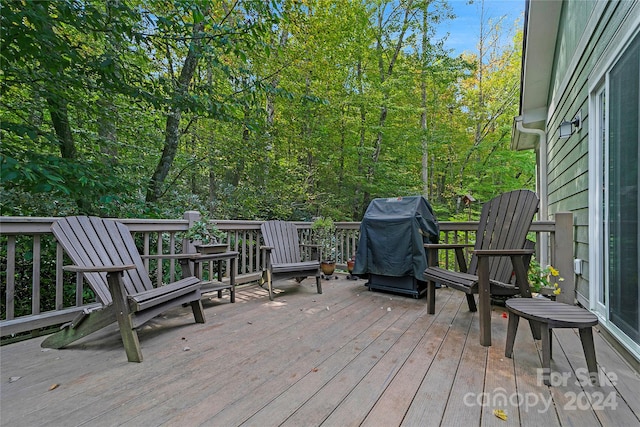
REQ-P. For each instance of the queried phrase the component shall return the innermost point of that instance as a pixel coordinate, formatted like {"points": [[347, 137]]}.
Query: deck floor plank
{"points": [[609, 406], [359, 360], [537, 407], [563, 392], [391, 407], [232, 407], [259, 353], [356, 405], [346, 357], [462, 404], [499, 378], [431, 398], [627, 380]]}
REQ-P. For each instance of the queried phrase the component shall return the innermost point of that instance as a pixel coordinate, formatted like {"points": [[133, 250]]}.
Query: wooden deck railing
{"points": [[37, 292]]}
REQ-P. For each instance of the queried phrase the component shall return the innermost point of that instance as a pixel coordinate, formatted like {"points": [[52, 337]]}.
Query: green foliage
{"points": [[324, 233], [544, 278], [204, 232], [289, 113]]}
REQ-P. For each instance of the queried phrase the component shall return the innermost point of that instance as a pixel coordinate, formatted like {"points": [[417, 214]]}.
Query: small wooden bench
{"points": [[544, 315]]}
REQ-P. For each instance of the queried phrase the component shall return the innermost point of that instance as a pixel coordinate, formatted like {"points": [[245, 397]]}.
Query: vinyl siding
{"points": [[586, 28]]}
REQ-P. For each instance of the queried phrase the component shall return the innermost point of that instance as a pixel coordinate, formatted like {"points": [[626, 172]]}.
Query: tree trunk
{"points": [[477, 138], [172, 128], [358, 204], [107, 131], [60, 120], [275, 81], [384, 74], [423, 101]]}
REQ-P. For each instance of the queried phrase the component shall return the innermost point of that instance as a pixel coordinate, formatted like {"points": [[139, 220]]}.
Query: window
{"points": [[623, 209], [615, 195]]}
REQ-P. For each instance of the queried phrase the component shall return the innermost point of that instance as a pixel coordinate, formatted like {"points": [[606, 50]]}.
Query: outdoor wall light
{"points": [[566, 127]]}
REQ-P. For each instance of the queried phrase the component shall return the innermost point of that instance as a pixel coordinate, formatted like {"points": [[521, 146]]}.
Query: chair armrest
{"points": [[266, 248], [168, 256], [503, 252], [99, 268], [447, 245], [432, 258]]}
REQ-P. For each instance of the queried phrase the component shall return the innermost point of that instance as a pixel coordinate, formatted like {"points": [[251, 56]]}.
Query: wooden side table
{"points": [[545, 315], [217, 285]]}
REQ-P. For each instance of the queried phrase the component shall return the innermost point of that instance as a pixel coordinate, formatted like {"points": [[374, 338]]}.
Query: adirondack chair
{"points": [[500, 250], [105, 252], [282, 258]]}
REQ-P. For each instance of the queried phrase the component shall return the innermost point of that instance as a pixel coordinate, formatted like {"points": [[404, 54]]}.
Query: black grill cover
{"points": [[392, 234]]}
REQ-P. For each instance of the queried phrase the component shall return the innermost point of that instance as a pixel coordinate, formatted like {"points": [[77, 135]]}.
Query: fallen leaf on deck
{"points": [[504, 315], [54, 386], [186, 349], [500, 414], [14, 379], [314, 370]]}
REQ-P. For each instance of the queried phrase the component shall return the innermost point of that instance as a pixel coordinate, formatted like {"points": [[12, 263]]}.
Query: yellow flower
{"points": [[540, 278]]}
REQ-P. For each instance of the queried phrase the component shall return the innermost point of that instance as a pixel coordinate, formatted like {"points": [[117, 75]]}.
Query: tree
{"points": [[247, 109], [214, 33], [495, 88]]}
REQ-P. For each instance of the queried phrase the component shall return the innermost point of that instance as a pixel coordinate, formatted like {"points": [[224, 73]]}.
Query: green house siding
{"points": [[573, 22], [579, 61], [585, 29], [581, 244]]}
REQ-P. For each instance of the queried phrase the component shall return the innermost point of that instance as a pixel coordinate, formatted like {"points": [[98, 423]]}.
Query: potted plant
{"points": [[324, 231], [206, 237], [544, 281], [351, 263]]}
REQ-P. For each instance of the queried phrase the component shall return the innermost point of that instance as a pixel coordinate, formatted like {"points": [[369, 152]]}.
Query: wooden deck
{"points": [[346, 357]]}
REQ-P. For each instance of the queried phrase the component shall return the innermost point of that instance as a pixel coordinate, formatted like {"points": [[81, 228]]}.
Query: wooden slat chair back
{"points": [[282, 255], [283, 237], [504, 223], [105, 252], [501, 249]]}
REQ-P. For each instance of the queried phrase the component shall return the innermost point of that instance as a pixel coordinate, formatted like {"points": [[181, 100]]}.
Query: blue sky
{"points": [[464, 30]]}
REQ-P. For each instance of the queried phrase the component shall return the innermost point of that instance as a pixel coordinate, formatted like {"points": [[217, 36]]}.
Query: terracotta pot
{"points": [[350, 264], [328, 267]]}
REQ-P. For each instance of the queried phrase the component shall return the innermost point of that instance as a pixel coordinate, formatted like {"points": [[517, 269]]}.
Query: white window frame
{"points": [[598, 153]]}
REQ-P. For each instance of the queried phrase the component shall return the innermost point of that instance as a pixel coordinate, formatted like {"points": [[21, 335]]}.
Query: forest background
{"points": [[253, 110]]}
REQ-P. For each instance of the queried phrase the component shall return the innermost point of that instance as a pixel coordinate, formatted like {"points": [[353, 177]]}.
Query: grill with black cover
{"points": [[391, 246]]}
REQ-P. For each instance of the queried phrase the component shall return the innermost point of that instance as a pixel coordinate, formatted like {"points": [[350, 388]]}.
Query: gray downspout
{"points": [[541, 184]]}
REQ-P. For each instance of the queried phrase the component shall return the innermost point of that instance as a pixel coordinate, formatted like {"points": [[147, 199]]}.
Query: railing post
{"points": [[192, 217], [188, 246], [563, 253]]}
